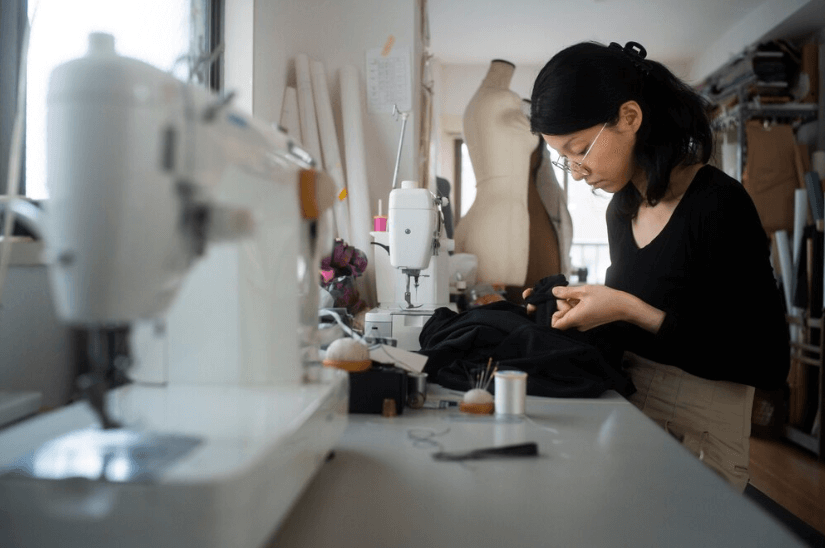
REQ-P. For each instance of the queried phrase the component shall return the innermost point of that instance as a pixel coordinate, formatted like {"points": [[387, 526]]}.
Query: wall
{"points": [[264, 36]]}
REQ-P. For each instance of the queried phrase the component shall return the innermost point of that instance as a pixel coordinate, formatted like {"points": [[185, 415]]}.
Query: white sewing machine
{"points": [[179, 220], [411, 265]]}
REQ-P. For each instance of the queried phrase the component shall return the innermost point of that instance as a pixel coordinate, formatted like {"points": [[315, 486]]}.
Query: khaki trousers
{"points": [[712, 419]]}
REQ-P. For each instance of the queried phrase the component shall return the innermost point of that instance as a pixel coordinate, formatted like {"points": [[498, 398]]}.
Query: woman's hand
{"points": [[587, 306], [560, 303], [526, 293]]}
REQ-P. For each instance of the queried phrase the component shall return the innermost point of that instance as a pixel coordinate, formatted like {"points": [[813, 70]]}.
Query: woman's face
{"points": [[602, 155]]}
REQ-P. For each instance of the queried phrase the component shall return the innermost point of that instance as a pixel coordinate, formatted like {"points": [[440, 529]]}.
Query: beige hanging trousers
{"points": [[712, 419]]}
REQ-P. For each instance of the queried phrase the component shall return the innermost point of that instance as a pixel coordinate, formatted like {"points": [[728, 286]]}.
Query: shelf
{"points": [[805, 112]]}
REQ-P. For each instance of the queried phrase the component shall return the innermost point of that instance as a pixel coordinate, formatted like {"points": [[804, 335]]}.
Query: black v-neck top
{"points": [[709, 270]]}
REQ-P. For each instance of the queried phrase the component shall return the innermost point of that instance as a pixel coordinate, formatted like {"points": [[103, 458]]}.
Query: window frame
{"points": [[13, 22]]}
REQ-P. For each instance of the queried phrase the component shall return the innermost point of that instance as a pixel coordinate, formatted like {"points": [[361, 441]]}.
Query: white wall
{"points": [[337, 34]]}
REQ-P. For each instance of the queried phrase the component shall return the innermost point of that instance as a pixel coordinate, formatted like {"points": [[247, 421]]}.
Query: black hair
{"points": [[585, 84]]}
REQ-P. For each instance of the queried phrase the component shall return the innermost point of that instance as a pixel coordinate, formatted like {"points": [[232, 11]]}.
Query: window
{"points": [[587, 210], [160, 32], [466, 179]]}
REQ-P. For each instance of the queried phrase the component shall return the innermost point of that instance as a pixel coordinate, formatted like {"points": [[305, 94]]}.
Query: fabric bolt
{"points": [[709, 270], [712, 419]]}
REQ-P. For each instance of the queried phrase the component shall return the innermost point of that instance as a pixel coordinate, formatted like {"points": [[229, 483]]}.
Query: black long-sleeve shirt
{"points": [[709, 270]]}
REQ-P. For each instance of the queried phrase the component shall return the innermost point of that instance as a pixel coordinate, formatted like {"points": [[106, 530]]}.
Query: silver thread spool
{"points": [[511, 392]]}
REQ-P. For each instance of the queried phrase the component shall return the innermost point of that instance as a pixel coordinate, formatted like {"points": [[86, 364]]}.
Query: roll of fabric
{"points": [[290, 120], [329, 148], [306, 109], [356, 161], [800, 219], [785, 264]]}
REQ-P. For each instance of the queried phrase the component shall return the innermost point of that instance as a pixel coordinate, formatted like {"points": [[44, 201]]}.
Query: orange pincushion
{"points": [[351, 366], [476, 408], [349, 355]]}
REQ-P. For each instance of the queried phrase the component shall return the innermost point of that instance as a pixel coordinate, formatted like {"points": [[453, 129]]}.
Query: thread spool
{"points": [[416, 389], [379, 221], [511, 392]]}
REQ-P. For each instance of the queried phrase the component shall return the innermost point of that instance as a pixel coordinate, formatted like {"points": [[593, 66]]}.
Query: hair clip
{"points": [[637, 54]]}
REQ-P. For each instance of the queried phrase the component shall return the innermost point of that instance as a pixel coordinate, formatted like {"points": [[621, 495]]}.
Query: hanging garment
{"points": [[771, 173], [554, 199]]}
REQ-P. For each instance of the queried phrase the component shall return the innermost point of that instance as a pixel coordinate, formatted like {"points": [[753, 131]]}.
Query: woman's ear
{"points": [[630, 116]]}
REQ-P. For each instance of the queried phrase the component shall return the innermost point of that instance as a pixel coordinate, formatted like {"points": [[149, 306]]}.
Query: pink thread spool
{"points": [[379, 223]]}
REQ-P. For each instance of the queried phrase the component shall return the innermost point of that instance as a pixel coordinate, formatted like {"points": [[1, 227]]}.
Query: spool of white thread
{"points": [[511, 392]]}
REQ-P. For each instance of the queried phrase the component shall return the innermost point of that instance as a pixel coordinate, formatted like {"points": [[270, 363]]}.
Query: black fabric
{"points": [[709, 270], [544, 301], [559, 364]]}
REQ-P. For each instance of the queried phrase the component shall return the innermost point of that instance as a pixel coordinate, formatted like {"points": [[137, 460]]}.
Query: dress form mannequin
{"points": [[497, 227]]}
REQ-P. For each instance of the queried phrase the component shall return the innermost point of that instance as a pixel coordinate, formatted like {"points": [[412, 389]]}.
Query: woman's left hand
{"points": [[587, 306]]}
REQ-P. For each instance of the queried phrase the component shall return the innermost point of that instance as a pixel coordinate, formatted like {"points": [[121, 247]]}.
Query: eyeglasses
{"points": [[565, 164]]}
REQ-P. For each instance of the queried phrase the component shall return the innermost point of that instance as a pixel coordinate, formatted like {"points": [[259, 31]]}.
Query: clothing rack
{"points": [[808, 347], [738, 115], [749, 88]]}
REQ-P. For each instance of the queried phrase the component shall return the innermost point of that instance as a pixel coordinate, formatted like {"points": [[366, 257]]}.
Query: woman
{"points": [[690, 293]]}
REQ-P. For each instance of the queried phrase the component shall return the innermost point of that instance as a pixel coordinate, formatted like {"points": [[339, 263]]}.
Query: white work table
{"points": [[606, 476]]}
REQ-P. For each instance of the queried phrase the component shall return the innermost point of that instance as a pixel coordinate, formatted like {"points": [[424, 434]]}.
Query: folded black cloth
{"points": [[558, 364], [544, 301]]}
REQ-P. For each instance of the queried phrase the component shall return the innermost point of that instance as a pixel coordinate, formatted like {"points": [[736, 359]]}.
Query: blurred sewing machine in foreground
{"points": [[188, 226], [412, 270]]}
